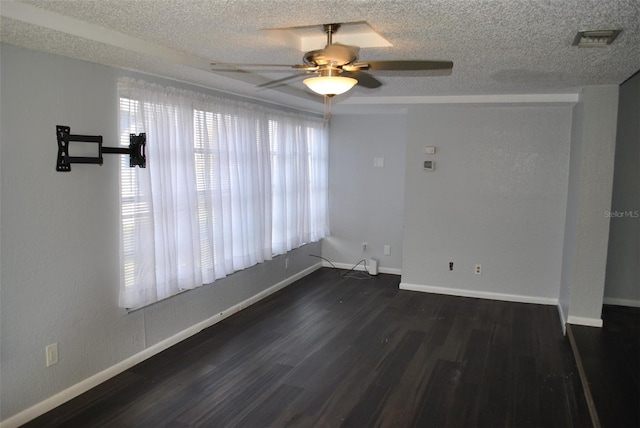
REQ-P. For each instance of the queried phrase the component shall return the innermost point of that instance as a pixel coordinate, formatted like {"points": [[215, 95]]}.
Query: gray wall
{"points": [[622, 282], [497, 197], [373, 195], [590, 188], [59, 256]]}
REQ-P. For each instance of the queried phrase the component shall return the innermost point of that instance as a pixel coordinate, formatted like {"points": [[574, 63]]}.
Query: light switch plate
{"points": [[51, 352]]}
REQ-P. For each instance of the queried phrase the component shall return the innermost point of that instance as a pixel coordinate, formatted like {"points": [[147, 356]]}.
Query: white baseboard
{"points": [[621, 302], [478, 294], [360, 267], [95, 380], [589, 322]]}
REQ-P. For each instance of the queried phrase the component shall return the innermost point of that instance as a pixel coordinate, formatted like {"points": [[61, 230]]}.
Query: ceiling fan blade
{"points": [[305, 67], [278, 82], [241, 67], [234, 64], [403, 65], [364, 79]]}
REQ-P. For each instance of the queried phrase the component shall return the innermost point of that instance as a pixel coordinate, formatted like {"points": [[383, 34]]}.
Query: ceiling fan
{"points": [[337, 69]]}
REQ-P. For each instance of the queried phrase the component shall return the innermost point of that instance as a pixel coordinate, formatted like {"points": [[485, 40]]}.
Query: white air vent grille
{"points": [[595, 38]]}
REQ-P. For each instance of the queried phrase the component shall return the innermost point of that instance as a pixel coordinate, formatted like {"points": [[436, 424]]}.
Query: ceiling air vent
{"points": [[595, 38]]}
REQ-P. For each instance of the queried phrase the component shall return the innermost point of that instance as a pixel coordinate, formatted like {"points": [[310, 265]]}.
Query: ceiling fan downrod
{"points": [[330, 29]]}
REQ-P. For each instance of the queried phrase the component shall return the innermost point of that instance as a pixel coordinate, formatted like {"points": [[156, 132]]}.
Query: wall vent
{"points": [[595, 38]]}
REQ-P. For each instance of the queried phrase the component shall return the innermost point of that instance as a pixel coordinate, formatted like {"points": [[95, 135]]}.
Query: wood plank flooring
{"points": [[331, 351], [610, 359]]}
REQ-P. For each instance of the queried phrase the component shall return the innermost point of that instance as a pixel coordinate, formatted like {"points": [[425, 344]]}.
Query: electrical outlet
{"points": [[51, 351], [387, 250], [478, 270], [450, 265], [364, 247]]}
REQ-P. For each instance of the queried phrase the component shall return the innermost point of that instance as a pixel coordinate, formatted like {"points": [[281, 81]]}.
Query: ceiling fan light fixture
{"points": [[330, 85]]}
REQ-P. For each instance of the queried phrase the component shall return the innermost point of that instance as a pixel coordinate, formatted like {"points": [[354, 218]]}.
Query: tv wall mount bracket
{"points": [[136, 150]]}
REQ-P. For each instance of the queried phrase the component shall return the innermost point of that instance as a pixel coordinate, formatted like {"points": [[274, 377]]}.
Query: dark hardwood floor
{"points": [[330, 351], [610, 358]]}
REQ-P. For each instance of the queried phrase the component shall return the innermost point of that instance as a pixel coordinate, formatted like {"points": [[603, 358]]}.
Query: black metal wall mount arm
{"points": [[136, 150]]}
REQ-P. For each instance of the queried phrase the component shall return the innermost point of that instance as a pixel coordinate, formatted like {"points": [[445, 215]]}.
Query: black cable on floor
{"points": [[347, 274]]}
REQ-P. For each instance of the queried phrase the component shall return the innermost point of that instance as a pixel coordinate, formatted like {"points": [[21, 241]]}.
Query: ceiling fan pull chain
{"points": [[330, 107], [326, 109]]}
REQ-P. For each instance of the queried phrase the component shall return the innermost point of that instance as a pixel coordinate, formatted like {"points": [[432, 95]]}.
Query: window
{"points": [[130, 210], [227, 185]]}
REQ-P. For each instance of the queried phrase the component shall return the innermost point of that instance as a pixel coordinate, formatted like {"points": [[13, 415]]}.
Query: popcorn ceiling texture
{"points": [[497, 46]]}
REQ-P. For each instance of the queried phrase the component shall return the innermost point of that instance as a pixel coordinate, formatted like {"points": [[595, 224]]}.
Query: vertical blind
{"points": [[228, 184]]}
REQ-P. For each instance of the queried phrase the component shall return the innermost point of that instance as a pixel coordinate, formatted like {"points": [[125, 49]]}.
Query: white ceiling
{"points": [[498, 47]]}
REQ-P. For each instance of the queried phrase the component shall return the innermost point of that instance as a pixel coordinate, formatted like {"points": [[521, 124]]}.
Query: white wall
{"points": [[497, 197], [622, 282], [590, 189], [59, 232], [571, 216], [366, 202]]}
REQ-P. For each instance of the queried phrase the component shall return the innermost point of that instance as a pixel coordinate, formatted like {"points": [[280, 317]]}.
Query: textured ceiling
{"points": [[497, 46]]}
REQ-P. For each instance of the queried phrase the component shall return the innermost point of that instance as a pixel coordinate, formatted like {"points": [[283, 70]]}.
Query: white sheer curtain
{"points": [[318, 143], [234, 185], [227, 185], [160, 240], [299, 172]]}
